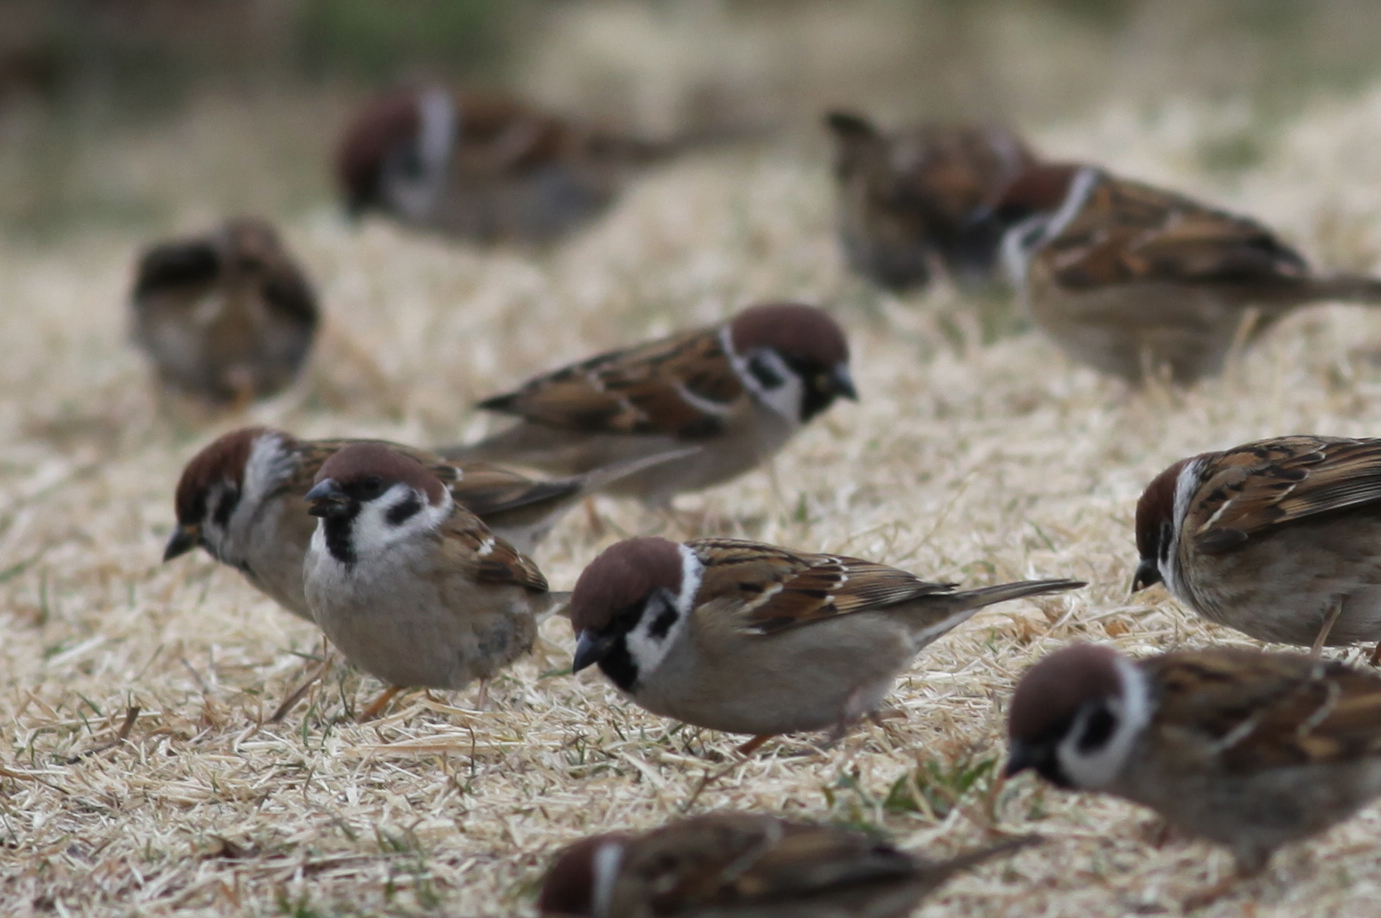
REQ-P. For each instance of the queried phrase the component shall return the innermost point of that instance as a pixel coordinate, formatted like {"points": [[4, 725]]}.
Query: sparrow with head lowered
{"points": [[910, 200], [486, 167], [243, 498], [746, 865], [1132, 280], [409, 585], [1251, 750], [738, 390], [227, 317], [749, 638], [1273, 538]]}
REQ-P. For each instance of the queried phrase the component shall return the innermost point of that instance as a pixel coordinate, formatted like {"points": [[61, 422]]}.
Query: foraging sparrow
{"points": [[1272, 538], [243, 499], [911, 199], [408, 584], [485, 167], [750, 638], [226, 317], [1131, 279], [746, 865], [739, 390], [1251, 750]]}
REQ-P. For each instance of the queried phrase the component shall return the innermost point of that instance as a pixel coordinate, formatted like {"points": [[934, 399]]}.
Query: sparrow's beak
{"points": [[185, 538], [1020, 760], [326, 498], [1147, 574], [844, 382], [590, 648]]}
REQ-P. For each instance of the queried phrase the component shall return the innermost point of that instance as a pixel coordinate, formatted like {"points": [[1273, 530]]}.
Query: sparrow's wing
{"points": [[1262, 485], [1128, 232], [770, 589], [682, 386], [468, 545], [176, 266], [1258, 711], [728, 859]]}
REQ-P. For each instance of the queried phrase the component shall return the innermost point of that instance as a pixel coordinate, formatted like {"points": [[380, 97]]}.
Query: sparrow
{"points": [[750, 638], [243, 498], [746, 865], [1247, 749], [1133, 280], [1271, 538], [410, 586], [739, 390], [486, 167], [913, 199], [226, 318]]}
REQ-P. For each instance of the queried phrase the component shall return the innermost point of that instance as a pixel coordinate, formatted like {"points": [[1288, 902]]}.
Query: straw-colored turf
{"points": [[138, 774]]}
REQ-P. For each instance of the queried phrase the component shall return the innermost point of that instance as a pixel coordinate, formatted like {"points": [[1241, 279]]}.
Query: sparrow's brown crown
{"points": [[357, 462], [794, 330], [1051, 693], [622, 577]]}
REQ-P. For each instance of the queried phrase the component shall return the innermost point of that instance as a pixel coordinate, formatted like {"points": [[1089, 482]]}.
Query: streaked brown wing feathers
{"points": [[773, 589], [672, 386], [1261, 485], [470, 544], [1268, 710], [1132, 232]]}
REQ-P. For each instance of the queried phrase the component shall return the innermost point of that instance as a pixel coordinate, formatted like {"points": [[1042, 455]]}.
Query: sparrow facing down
{"points": [[1273, 538], [1247, 749], [485, 167], [746, 865], [1130, 279], [227, 317], [243, 499], [738, 390], [912, 199], [749, 638], [409, 585]]}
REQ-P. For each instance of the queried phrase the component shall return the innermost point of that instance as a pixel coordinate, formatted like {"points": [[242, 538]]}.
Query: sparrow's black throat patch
{"points": [[340, 527]]}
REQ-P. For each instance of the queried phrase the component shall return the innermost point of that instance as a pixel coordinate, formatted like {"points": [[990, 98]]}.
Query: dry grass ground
{"points": [[138, 774]]}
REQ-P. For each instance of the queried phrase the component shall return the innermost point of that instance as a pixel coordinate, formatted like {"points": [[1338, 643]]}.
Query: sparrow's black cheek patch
{"points": [[401, 513], [665, 618], [764, 372], [1100, 727], [225, 507]]}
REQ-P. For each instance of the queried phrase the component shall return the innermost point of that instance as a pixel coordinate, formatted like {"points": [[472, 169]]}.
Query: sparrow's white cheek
{"points": [[396, 515], [664, 617], [1095, 766], [608, 860], [413, 180]]}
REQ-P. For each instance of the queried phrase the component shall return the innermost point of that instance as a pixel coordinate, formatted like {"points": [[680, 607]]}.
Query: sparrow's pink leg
{"points": [[1328, 623], [378, 704]]}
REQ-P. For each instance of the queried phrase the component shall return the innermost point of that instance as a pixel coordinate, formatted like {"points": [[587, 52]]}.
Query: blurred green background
{"points": [[159, 112]]}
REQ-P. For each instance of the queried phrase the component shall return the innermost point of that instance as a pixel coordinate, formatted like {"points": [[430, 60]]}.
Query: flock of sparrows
{"points": [[414, 563]]}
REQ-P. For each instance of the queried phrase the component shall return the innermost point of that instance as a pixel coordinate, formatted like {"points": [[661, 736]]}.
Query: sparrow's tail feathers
{"points": [[1350, 288], [987, 596], [941, 870]]}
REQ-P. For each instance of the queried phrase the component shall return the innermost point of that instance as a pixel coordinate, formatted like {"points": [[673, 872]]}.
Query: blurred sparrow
{"points": [[243, 499], [739, 390], [1273, 538], [227, 317], [1247, 749], [746, 865], [485, 167], [409, 585], [1131, 279], [750, 638], [912, 199]]}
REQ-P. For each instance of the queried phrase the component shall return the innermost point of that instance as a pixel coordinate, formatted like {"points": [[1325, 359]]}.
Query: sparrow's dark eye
{"points": [[369, 487]]}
